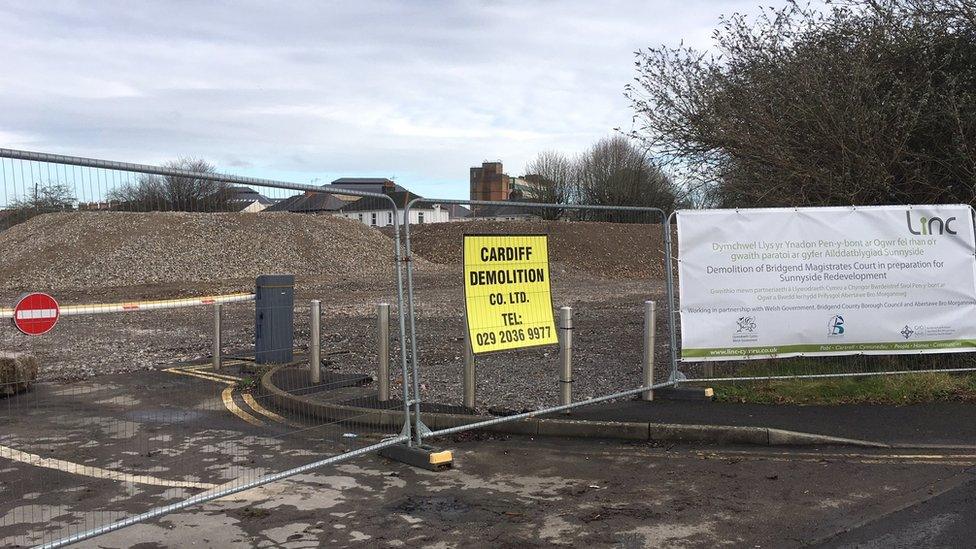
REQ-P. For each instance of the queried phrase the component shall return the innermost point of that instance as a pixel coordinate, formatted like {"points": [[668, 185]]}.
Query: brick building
{"points": [[489, 182]]}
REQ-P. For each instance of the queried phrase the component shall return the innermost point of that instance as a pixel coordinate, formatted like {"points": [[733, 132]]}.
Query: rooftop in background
{"points": [[367, 203], [367, 184], [309, 203], [506, 211], [457, 211], [247, 194]]}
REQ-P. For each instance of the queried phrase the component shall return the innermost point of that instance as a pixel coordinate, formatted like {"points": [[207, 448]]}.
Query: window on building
{"points": [[389, 218], [420, 218], [372, 219], [360, 217]]}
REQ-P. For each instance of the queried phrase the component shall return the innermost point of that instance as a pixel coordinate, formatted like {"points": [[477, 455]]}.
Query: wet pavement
{"points": [[82, 455]]}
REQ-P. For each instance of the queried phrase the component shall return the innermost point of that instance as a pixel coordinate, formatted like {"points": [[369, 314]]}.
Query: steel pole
{"points": [[383, 350], [469, 379], [672, 310], [649, 331], [216, 336], [566, 355], [315, 358]]}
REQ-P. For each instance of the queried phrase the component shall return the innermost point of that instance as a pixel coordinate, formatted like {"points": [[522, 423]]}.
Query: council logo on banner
{"points": [[746, 330], [835, 327], [926, 331]]}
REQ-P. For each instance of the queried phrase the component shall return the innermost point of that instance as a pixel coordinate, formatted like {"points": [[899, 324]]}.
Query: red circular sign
{"points": [[36, 313]]}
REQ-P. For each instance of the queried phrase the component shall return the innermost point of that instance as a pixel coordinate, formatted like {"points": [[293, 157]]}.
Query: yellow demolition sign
{"points": [[507, 294]]}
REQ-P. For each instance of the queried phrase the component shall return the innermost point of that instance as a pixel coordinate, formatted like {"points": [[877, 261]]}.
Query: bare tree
{"points": [[551, 175], [47, 197], [175, 193], [616, 172], [868, 102], [43, 198]]}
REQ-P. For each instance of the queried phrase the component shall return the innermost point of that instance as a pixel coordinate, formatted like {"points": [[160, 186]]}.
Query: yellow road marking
{"points": [[926, 458], [199, 375], [97, 472], [204, 370], [253, 403], [228, 397], [843, 455]]}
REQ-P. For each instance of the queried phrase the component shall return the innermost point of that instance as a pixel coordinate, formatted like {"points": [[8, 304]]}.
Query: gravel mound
{"points": [[608, 250], [84, 250]]}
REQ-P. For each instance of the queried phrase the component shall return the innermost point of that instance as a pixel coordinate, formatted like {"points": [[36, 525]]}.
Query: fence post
{"points": [[672, 310], [383, 349], [315, 362], [469, 380], [216, 337], [649, 332], [566, 355]]}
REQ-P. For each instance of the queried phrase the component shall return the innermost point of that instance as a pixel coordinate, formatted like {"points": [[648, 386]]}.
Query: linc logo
{"points": [[930, 226]]}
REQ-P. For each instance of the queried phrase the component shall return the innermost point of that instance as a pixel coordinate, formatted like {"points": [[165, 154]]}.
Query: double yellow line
{"points": [[227, 395]]}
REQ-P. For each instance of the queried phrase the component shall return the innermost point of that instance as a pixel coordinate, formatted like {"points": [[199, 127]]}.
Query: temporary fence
{"points": [[149, 398], [839, 358], [604, 309], [606, 265]]}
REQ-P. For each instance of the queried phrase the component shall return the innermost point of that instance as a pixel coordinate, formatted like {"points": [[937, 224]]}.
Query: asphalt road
{"points": [[78, 456], [936, 423], [946, 520], [542, 493]]}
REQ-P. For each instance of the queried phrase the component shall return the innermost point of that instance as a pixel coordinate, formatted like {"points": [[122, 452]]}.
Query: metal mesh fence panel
{"points": [[166, 380], [773, 379], [604, 263]]}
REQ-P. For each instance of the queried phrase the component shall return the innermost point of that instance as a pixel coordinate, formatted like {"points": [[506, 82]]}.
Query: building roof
{"points": [[308, 203], [247, 194], [457, 211], [366, 203], [367, 184], [361, 181], [502, 211]]}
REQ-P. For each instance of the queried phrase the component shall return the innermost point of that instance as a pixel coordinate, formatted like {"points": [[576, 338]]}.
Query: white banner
{"points": [[782, 282]]}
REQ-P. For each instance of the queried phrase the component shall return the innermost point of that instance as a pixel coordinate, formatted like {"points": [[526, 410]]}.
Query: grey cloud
{"points": [[419, 89]]}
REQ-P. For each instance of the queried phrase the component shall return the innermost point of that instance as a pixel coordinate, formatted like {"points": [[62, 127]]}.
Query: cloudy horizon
{"points": [[308, 92]]}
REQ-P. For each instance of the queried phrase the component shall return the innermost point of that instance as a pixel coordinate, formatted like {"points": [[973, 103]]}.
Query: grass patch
{"points": [[248, 383], [892, 389]]}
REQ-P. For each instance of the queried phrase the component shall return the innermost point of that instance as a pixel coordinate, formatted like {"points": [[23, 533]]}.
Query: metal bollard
{"points": [[566, 355], [383, 349], [216, 337], [649, 331], [469, 381], [315, 357]]}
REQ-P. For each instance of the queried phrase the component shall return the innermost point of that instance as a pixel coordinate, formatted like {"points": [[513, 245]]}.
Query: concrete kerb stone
{"points": [[655, 432], [719, 434], [594, 429], [781, 437]]}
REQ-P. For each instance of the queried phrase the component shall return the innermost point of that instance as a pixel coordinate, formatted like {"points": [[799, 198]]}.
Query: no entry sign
{"points": [[36, 313]]}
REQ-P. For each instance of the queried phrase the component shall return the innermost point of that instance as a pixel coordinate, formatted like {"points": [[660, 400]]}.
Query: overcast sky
{"points": [[419, 91]]}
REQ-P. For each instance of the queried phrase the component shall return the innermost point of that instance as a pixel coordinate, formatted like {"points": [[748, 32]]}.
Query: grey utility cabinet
{"points": [[274, 311]]}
